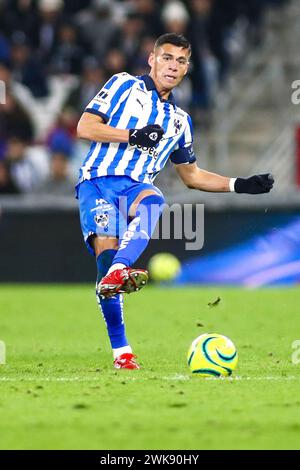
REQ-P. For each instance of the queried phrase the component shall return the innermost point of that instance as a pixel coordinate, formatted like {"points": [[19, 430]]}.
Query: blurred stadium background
{"points": [[54, 57]]}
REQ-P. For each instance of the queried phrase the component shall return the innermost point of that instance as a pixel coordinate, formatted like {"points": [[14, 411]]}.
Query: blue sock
{"points": [[140, 230], [112, 308]]}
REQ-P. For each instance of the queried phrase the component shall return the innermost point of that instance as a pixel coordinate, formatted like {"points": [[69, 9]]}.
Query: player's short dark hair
{"points": [[173, 38]]}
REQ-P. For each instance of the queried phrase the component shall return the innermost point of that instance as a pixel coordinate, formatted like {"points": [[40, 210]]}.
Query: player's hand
{"points": [[256, 184], [149, 136]]}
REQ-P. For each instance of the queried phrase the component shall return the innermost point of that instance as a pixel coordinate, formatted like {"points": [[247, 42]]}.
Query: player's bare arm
{"points": [[92, 127], [196, 178]]}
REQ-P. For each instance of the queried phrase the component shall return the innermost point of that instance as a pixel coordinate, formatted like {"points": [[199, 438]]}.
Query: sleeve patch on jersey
{"points": [[183, 155], [101, 102], [103, 94]]}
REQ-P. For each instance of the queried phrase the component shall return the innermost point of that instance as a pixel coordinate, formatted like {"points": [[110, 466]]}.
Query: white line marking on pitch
{"points": [[49, 379], [237, 378], [175, 377]]}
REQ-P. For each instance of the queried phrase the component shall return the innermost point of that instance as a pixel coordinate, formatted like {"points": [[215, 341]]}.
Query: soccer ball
{"points": [[163, 267], [212, 355]]}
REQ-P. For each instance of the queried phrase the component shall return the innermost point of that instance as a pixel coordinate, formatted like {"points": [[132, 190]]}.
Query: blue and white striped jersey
{"points": [[128, 102]]}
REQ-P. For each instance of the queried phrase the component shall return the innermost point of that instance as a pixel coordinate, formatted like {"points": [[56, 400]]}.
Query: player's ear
{"points": [[187, 68], [151, 59]]}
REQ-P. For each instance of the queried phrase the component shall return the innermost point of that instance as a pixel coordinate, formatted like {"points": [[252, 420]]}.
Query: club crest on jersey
{"points": [[153, 136], [101, 220], [177, 125]]}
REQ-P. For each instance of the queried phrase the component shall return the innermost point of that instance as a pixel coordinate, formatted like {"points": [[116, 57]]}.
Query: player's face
{"points": [[169, 64]]}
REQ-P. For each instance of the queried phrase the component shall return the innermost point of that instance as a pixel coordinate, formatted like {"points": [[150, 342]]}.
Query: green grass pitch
{"points": [[59, 390]]}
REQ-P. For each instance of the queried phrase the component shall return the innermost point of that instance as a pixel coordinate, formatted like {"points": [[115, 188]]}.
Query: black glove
{"points": [[149, 136], [256, 184]]}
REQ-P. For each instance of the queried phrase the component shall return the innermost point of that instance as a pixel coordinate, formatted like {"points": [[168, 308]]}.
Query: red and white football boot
{"points": [[125, 280], [126, 361]]}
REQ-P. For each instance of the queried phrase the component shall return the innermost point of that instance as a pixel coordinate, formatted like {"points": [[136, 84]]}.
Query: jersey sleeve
{"points": [[184, 152], [111, 95]]}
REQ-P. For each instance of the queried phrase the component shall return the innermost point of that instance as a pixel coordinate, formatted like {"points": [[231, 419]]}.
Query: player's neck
{"points": [[163, 92]]}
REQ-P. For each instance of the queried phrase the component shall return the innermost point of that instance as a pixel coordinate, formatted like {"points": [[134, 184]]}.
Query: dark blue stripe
{"points": [[101, 155], [95, 107], [110, 82], [181, 141], [118, 94], [151, 120], [169, 145], [104, 147], [122, 148], [168, 149], [190, 125], [167, 117], [133, 162], [92, 148]]}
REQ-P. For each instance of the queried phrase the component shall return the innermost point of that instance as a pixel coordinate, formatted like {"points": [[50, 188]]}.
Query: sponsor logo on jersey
{"points": [[102, 205], [179, 112], [101, 97], [140, 103], [154, 153], [102, 94], [141, 90], [128, 235]]}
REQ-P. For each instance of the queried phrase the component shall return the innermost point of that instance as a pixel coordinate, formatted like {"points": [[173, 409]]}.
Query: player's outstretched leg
{"points": [[112, 311], [121, 278]]}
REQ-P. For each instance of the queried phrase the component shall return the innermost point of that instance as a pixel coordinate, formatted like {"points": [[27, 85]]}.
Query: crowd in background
{"points": [[55, 56]]}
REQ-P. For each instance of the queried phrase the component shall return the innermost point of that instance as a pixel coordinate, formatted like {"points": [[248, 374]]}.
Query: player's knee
{"points": [[104, 261], [155, 198], [149, 211], [146, 197], [101, 244], [154, 201]]}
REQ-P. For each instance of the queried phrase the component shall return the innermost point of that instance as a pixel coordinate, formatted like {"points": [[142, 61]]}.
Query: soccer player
{"points": [[134, 127]]}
